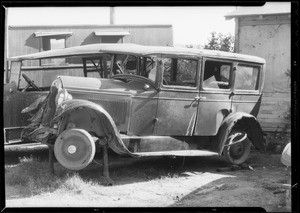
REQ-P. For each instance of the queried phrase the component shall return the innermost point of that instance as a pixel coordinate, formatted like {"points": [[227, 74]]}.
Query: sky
{"points": [[191, 25]]}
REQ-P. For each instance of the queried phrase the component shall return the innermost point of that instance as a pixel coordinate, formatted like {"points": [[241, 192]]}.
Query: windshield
{"points": [[104, 65], [13, 74], [108, 65]]}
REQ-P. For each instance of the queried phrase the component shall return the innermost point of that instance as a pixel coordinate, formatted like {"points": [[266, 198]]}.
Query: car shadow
{"points": [[126, 170]]}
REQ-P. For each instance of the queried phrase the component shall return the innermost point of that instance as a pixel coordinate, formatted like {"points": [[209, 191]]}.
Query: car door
{"points": [[178, 96], [144, 102], [247, 93], [215, 98], [14, 100]]}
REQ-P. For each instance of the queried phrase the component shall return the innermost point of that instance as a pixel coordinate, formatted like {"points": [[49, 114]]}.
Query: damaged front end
{"points": [[43, 128]]}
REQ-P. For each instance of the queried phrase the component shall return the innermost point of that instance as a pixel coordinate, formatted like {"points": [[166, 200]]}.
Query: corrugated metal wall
{"points": [[269, 37]]}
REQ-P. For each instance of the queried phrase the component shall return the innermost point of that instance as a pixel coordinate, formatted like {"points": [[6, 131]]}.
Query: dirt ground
{"points": [[165, 182]]}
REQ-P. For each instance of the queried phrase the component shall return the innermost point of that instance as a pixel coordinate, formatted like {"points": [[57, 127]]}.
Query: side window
{"points": [[148, 67], [15, 69], [179, 72], [246, 77], [97, 67], [217, 74]]}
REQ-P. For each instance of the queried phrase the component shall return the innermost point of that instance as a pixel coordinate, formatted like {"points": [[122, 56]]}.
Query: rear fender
{"points": [[93, 118], [247, 123]]}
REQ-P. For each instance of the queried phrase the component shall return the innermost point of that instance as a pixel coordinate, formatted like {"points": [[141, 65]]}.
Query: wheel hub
{"points": [[72, 149]]}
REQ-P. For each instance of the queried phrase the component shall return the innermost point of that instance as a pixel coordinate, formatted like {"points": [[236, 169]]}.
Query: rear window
{"points": [[246, 77]]}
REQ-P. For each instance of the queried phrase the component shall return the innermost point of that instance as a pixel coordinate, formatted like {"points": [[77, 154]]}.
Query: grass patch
{"points": [[33, 177]]}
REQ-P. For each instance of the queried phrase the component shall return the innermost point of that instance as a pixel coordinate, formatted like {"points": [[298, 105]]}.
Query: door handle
{"points": [[231, 94], [197, 98]]}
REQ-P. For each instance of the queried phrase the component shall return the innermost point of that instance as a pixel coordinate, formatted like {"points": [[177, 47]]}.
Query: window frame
{"points": [[178, 87], [258, 80], [231, 75]]}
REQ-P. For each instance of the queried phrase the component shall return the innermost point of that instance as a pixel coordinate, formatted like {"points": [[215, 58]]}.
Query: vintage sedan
{"points": [[156, 101]]}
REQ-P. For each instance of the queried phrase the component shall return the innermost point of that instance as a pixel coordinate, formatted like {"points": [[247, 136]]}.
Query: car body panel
{"points": [[213, 108], [176, 112]]}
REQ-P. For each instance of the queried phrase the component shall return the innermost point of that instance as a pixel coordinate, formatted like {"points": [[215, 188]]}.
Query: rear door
{"points": [[215, 99], [247, 94]]}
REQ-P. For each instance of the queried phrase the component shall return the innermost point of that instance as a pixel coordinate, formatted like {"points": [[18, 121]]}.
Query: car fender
{"points": [[115, 142], [248, 122]]}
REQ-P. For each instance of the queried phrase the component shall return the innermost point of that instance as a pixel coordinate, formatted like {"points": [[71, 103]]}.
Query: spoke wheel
{"points": [[237, 147], [74, 149]]}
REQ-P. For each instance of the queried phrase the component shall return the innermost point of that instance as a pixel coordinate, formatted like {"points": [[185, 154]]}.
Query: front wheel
{"points": [[74, 149], [237, 147]]}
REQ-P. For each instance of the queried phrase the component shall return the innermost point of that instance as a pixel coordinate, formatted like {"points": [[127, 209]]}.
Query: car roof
{"points": [[135, 49]]}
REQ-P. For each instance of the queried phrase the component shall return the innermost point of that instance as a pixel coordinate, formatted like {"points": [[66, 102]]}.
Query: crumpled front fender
{"points": [[115, 142]]}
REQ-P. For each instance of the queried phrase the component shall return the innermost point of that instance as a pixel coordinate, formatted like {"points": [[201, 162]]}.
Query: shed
{"points": [[265, 31], [24, 40]]}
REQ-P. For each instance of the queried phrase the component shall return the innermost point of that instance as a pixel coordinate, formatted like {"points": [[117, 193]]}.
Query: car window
{"points": [[148, 67], [14, 72], [125, 64], [217, 74], [246, 77], [179, 72], [98, 66]]}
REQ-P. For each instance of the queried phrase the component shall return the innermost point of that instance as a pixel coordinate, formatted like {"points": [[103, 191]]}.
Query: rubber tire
{"points": [[80, 143], [246, 148]]}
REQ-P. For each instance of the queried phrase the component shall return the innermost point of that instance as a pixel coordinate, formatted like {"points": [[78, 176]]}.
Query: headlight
{"points": [[62, 94]]}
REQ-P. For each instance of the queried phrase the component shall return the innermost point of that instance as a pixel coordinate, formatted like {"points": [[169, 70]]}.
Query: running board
{"points": [[26, 147], [178, 153]]}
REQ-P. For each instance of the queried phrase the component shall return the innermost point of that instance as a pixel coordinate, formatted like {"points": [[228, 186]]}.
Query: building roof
{"points": [[42, 34], [134, 49], [269, 8], [111, 33], [89, 26]]}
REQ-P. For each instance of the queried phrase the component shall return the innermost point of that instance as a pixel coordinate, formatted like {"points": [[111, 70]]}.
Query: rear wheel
{"points": [[74, 149], [237, 147]]}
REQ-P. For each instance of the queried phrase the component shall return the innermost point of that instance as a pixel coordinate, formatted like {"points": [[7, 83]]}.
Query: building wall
{"points": [[21, 40], [269, 37]]}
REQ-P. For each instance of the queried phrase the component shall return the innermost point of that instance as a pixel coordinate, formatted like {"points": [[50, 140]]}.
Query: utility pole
{"points": [[112, 16]]}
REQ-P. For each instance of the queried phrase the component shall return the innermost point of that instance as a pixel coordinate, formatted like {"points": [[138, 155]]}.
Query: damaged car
{"points": [[152, 101], [29, 77]]}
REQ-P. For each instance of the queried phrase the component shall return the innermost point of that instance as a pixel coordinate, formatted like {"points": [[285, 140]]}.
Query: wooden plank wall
{"points": [[273, 112], [269, 37]]}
